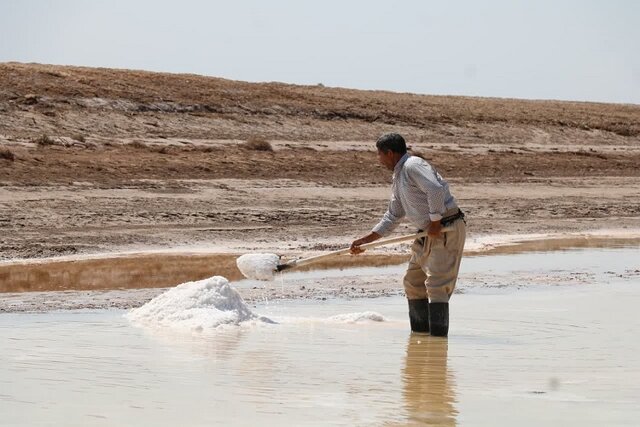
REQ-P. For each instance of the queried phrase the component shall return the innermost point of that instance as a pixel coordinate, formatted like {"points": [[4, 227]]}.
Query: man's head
{"points": [[391, 147]]}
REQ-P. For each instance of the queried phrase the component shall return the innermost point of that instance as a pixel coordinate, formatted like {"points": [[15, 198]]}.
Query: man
{"points": [[422, 195]]}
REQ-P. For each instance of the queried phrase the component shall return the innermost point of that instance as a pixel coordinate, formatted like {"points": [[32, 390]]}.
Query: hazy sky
{"points": [[587, 50]]}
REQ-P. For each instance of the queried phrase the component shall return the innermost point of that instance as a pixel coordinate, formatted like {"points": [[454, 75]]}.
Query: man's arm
{"points": [[389, 221]]}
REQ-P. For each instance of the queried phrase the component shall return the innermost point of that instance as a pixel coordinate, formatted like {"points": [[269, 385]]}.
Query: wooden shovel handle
{"points": [[382, 242]]}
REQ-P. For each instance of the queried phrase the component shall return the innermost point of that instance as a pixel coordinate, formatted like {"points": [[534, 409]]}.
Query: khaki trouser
{"points": [[434, 265]]}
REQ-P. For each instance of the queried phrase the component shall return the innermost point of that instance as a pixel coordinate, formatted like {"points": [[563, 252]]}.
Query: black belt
{"points": [[453, 218], [450, 219]]}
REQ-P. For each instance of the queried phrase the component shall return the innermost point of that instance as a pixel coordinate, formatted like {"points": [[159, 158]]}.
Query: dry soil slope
{"points": [[113, 103]]}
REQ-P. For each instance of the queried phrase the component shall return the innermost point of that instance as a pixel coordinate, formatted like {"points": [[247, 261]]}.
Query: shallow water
{"points": [[516, 355]]}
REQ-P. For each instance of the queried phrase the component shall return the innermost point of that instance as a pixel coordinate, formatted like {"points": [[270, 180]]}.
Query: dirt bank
{"points": [[100, 160]]}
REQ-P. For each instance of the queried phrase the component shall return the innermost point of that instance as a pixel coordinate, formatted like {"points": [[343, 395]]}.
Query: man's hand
{"points": [[434, 229], [355, 245]]}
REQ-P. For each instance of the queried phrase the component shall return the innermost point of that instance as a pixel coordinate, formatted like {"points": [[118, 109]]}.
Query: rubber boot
{"points": [[419, 315], [439, 319]]}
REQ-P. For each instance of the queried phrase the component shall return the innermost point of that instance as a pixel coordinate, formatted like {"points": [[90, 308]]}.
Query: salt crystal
{"points": [[258, 266]]}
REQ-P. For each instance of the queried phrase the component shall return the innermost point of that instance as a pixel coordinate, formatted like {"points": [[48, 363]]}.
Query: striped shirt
{"points": [[417, 192]]}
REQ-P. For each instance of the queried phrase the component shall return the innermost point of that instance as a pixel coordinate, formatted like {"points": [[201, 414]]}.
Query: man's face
{"points": [[386, 159]]}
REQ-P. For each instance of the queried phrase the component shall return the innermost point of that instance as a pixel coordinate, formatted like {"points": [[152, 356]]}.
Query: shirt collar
{"points": [[398, 167]]}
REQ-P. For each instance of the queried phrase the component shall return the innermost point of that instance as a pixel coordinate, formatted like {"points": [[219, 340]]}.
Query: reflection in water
{"points": [[428, 387], [214, 345]]}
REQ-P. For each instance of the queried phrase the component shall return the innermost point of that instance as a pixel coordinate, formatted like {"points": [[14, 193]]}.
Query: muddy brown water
{"points": [[158, 270], [137, 271]]}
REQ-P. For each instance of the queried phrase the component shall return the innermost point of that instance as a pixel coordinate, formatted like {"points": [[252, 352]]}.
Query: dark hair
{"points": [[392, 142]]}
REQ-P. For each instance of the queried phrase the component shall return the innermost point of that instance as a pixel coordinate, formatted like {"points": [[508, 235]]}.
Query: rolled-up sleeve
{"points": [[425, 178], [391, 218]]}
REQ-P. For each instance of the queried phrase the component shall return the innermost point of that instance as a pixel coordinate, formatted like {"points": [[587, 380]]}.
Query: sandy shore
{"points": [[284, 216], [96, 161]]}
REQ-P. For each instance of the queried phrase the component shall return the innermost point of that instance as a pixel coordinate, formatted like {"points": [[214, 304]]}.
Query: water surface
{"points": [[516, 355]]}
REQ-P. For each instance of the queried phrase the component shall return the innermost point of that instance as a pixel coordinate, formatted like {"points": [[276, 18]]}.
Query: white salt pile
{"points": [[358, 317], [258, 266], [200, 305]]}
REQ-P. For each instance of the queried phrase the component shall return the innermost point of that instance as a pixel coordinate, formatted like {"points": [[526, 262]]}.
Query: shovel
{"points": [[310, 260], [264, 266]]}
